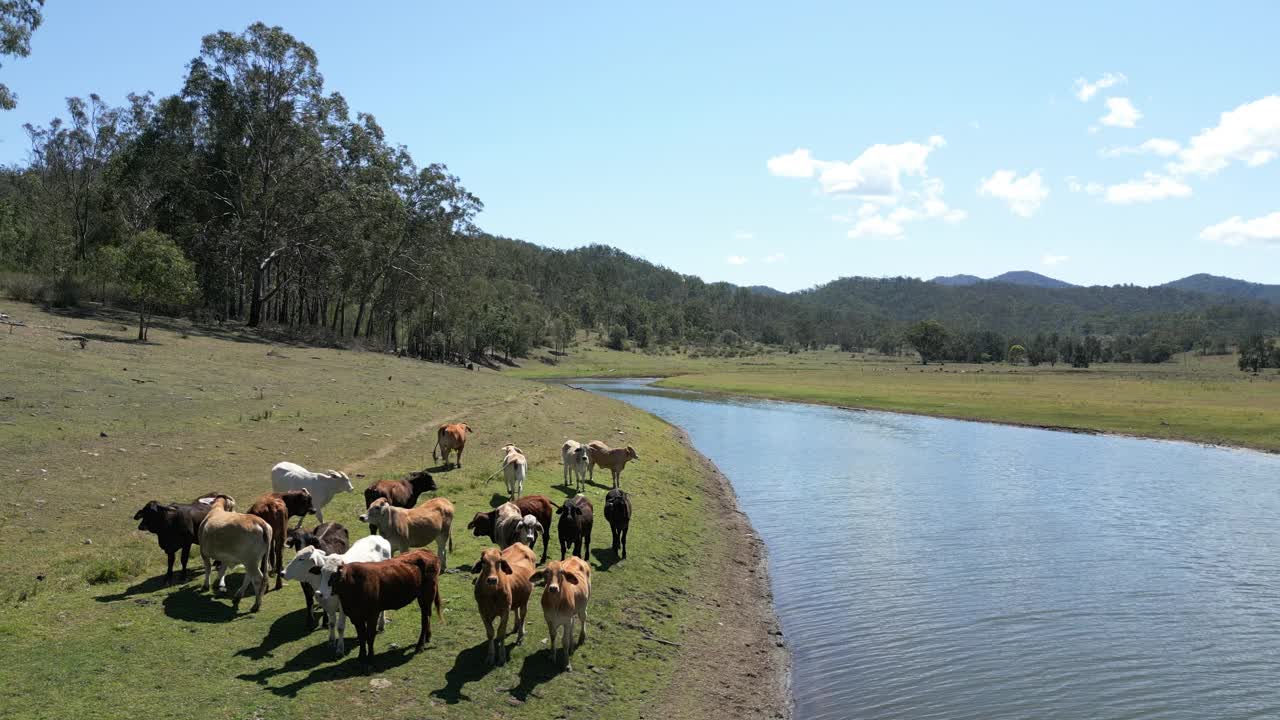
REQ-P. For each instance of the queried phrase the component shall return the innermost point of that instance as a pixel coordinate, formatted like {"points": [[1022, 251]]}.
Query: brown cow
{"points": [[539, 506], [276, 509], [401, 493], [451, 437], [407, 528], [615, 459], [576, 518], [233, 538], [568, 590], [367, 589], [504, 586]]}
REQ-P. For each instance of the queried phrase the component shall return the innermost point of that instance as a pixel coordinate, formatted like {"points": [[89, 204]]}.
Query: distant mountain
{"points": [[1017, 277], [956, 280], [1227, 287], [765, 290]]}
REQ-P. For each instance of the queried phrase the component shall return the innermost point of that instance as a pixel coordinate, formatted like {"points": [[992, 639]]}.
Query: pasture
{"points": [[88, 435], [1200, 399]]}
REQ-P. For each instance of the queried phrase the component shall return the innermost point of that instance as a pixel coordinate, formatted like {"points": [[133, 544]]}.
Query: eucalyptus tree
{"points": [[18, 19]]}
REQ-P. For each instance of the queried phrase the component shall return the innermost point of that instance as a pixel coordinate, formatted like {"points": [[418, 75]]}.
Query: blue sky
{"points": [[785, 144]]}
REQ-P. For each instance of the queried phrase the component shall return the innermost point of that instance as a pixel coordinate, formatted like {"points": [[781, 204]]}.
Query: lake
{"points": [[932, 568]]}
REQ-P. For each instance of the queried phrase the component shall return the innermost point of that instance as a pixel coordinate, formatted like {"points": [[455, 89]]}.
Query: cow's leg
{"points": [[502, 637], [278, 559], [551, 638], [491, 655], [568, 644], [582, 618], [441, 541], [168, 576], [309, 597], [625, 530], [222, 577], [382, 621], [459, 457], [586, 555], [546, 539], [563, 546], [339, 643], [186, 555], [261, 582], [208, 567]]}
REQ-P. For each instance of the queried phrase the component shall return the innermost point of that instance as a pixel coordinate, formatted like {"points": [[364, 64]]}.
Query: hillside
{"points": [[1015, 277], [1227, 287]]}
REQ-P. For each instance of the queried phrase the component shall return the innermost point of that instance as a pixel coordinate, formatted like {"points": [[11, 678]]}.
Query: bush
{"points": [[617, 338], [23, 287], [66, 292]]}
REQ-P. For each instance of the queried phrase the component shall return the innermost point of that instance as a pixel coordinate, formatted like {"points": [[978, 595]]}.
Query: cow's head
{"points": [[491, 566], [580, 455], [152, 516], [481, 525], [530, 529], [329, 572], [631, 453], [555, 576], [306, 566], [509, 448], [378, 512], [616, 497], [341, 479], [421, 481], [299, 539], [298, 502]]}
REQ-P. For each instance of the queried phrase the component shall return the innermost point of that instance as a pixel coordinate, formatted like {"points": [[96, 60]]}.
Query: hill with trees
{"points": [[1227, 287]]}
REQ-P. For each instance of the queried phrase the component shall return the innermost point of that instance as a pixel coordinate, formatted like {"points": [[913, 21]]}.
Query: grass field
{"points": [[87, 436], [1191, 398]]}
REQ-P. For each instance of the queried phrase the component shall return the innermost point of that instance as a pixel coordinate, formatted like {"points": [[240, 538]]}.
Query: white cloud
{"points": [[776, 257], [1162, 147], [1151, 187], [1249, 134], [743, 235], [1085, 90], [1237, 231], [1120, 113], [737, 260], [876, 226], [799, 164], [1089, 188], [1052, 260], [1024, 194]]}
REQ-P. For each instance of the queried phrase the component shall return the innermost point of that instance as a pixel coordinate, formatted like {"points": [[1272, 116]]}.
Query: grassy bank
{"points": [[1202, 399], [88, 435]]}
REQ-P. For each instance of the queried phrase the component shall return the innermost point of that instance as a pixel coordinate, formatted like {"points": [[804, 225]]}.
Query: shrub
{"points": [[617, 338]]}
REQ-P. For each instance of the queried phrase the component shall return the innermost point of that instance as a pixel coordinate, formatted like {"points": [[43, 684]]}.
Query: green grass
{"points": [[90, 435], [1192, 398]]}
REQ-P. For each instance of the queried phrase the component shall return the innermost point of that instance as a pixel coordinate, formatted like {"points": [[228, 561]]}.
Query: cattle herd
{"points": [[387, 570]]}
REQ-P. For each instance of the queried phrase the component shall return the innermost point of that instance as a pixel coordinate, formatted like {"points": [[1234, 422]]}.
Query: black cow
{"points": [[177, 527], [617, 510], [574, 526]]}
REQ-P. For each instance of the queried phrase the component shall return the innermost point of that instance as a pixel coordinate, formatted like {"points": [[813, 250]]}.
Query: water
{"points": [[930, 568]]}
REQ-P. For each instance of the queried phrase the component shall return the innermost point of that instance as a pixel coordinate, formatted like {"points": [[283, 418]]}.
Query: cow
{"points": [[401, 493], [617, 510], [539, 506], [515, 466], [234, 538], [322, 486], [276, 509], [367, 589], [176, 527], [576, 464], [407, 528], [564, 599], [332, 538], [504, 586], [574, 525], [615, 459], [451, 437], [506, 524], [312, 567]]}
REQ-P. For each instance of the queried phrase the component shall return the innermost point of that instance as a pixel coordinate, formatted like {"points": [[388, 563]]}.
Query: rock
{"points": [[87, 541], [379, 683]]}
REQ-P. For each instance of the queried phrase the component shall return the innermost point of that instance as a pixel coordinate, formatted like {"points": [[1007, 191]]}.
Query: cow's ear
{"points": [[506, 567], [538, 576], [314, 570], [476, 568], [571, 577]]}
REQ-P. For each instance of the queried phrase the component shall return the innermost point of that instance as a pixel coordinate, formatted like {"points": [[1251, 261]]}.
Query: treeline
{"points": [[292, 210]]}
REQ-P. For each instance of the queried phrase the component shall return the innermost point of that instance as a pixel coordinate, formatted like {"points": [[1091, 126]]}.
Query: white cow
{"points": [[323, 486], [574, 457], [313, 566], [515, 466]]}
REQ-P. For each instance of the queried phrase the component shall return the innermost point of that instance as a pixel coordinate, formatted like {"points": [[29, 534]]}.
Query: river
{"points": [[933, 568]]}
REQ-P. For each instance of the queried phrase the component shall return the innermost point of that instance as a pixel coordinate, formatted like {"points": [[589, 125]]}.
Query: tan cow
{"points": [[615, 459], [235, 539], [568, 590], [573, 455], [451, 437], [515, 468], [504, 586], [407, 528]]}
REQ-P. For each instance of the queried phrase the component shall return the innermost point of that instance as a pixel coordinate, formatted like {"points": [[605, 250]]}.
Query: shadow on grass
{"points": [[145, 587], [605, 558], [468, 667], [317, 654], [286, 629], [538, 668], [195, 605]]}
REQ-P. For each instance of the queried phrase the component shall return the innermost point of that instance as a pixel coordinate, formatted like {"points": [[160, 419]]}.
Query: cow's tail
{"points": [[265, 564], [438, 602]]}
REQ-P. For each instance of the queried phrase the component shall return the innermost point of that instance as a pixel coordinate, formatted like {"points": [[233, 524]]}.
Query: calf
{"points": [[575, 525], [176, 527], [235, 539], [407, 528], [276, 509], [515, 466], [568, 590], [333, 540], [617, 510], [313, 566], [367, 589], [401, 493], [574, 458], [504, 586], [615, 459], [451, 437], [539, 506], [322, 486]]}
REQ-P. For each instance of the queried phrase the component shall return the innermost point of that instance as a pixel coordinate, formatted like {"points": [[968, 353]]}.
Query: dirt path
{"points": [[737, 665]]}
